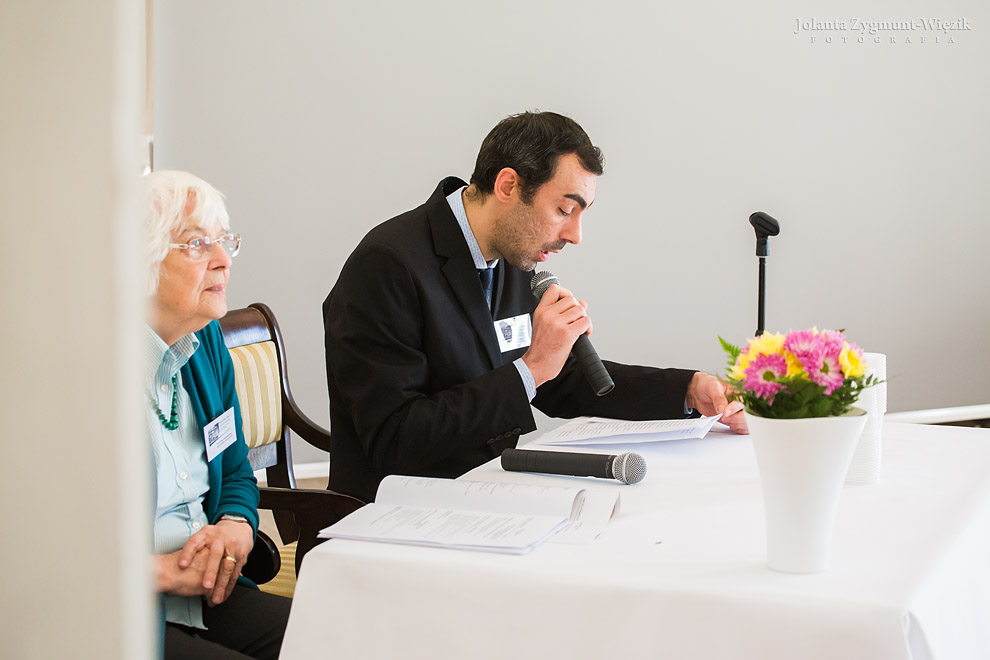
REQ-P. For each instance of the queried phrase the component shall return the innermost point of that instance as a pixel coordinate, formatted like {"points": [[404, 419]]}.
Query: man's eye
{"points": [[563, 212]]}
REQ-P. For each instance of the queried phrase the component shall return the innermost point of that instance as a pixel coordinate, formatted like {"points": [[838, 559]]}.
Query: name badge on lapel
{"points": [[219, 434], [513, 333]]}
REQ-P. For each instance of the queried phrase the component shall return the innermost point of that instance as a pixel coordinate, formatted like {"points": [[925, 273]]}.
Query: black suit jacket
{"points": [[418, 385]]}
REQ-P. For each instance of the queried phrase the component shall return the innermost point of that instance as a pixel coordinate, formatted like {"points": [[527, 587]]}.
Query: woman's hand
{"points": [[187, 581], [226, 547]]}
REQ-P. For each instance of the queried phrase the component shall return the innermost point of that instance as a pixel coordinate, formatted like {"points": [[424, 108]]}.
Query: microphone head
{"points": [[764, 225], [629, 468], [542, 281]]}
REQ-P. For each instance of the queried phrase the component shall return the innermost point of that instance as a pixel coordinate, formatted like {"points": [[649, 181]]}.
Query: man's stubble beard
{"points": [[515, 238]]}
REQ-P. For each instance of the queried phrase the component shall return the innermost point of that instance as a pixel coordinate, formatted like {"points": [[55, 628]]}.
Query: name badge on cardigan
{"points": [[513, 333], [219, 434]]}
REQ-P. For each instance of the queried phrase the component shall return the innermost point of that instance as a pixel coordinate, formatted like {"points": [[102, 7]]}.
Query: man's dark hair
{"points": [[531, 143]]}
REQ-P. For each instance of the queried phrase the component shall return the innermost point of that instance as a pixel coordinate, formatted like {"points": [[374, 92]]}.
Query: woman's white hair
{"points": [[171, 198]]}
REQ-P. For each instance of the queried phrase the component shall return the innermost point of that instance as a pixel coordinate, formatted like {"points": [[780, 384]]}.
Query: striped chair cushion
{"points": [[283, 584], [256, 378]]}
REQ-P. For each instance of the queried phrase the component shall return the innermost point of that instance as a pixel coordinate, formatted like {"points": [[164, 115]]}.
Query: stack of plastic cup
{"points": [[865, 465]]}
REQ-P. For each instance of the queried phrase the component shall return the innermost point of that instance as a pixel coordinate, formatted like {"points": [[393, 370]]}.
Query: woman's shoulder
{"points": [[211, 340], [211, 333]]}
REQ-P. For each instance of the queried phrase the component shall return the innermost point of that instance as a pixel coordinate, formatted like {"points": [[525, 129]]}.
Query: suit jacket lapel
{"points": [[458, 268], [499, 287]]}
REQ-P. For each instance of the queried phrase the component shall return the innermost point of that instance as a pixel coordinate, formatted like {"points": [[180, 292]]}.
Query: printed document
{"points": [[602, 431], [475, 515]]}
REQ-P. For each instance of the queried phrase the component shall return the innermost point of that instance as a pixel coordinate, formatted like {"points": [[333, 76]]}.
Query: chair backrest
{"points": [[256, 355], [255, 342], [268, 411], [269, 416], [258, 383]]}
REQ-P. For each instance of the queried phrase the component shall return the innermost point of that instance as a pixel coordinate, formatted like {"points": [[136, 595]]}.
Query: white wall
{"points": [[74, 477], [320, 120]]}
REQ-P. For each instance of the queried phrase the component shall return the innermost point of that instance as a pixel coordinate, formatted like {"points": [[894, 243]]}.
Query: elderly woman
{"points": [[206, 514]]}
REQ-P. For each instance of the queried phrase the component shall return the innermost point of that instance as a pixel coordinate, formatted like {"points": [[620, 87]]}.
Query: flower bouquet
{"points": [[805, 373], [798, 390]]}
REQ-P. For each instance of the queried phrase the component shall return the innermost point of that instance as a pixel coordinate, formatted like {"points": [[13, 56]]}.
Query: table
{"points": [[680, 573]]}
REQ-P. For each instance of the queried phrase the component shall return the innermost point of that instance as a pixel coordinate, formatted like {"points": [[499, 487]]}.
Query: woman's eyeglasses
{"points": [[200, 248]]}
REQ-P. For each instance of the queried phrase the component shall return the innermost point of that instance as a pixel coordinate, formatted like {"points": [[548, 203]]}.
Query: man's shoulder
{"points": [[405, 232], [399, 244], [414, 232]]}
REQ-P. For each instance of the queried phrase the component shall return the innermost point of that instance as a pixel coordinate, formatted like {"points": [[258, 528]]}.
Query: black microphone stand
{"points": [[765, 226]]}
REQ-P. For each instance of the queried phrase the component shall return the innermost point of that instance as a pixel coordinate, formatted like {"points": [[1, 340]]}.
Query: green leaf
{"points": [[731, 350]]}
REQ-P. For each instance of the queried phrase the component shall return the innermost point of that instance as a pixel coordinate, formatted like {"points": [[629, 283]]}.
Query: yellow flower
{"points": [[794, 366], [766, 344], [851, 361]]}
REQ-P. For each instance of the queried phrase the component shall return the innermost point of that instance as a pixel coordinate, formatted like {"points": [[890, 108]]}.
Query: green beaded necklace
{"points": [[173, 422]]}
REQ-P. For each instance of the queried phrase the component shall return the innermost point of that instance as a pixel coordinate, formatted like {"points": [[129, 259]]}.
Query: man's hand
{"points": [[558, 321], [227, 546], [707, 395]]}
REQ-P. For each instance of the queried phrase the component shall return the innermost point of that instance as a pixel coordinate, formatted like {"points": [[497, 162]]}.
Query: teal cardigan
{"points": [[208, 377]]}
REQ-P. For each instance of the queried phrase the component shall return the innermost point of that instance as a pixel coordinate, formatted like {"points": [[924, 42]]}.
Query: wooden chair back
{"points": [[270, 417]]}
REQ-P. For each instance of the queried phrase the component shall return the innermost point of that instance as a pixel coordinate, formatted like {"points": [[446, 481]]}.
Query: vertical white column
{"points": [[74, 467]]}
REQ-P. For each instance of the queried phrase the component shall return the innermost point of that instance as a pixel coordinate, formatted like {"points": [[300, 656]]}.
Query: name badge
{"points": [[513, 333], [219, 434]]}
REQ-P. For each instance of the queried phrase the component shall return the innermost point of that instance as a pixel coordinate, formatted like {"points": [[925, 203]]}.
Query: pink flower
{"points": [[812, 362], [833, 341], [803, 342], [808, 347], [762, 374], [829, 373], [818, 353]]}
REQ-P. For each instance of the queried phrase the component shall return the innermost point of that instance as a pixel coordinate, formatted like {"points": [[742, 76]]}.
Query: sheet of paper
{"points": [[587, 524], [602, 431], [483, 496], [469, 530]]}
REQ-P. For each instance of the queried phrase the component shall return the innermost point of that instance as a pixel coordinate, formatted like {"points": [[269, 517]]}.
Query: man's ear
{"points": [[506, 185]]}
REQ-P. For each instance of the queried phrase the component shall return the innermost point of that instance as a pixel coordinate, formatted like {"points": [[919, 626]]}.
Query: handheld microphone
{"points": [[587, 356], [629, 468]]}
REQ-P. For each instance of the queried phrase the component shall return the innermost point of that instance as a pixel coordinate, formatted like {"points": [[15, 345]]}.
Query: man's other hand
{"points": [[707, 395]]}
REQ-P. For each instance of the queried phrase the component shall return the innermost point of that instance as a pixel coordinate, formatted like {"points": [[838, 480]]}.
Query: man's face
{"points": [[528, 233]]}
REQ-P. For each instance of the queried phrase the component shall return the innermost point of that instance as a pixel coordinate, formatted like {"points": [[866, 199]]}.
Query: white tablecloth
{"points": [[680, 572]]}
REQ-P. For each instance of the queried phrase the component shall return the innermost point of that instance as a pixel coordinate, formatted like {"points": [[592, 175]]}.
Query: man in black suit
{"points": [[435, 345]]}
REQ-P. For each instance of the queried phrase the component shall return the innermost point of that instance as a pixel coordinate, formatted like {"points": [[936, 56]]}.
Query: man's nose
{"points": [[572, 230]]}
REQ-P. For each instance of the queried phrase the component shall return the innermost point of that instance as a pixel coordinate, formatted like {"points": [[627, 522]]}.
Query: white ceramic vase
{"points": [[803, 463]]}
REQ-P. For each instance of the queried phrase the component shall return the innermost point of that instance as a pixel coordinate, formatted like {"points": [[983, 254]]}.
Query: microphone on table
{"points": [[587, 356], [629, 468]]}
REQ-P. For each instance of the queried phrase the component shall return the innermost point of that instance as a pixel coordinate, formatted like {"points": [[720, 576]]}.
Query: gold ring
{"points": [[229, 558]]}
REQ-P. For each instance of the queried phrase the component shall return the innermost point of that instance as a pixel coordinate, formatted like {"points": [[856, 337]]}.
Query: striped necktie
{"points": [[487, 275]]}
